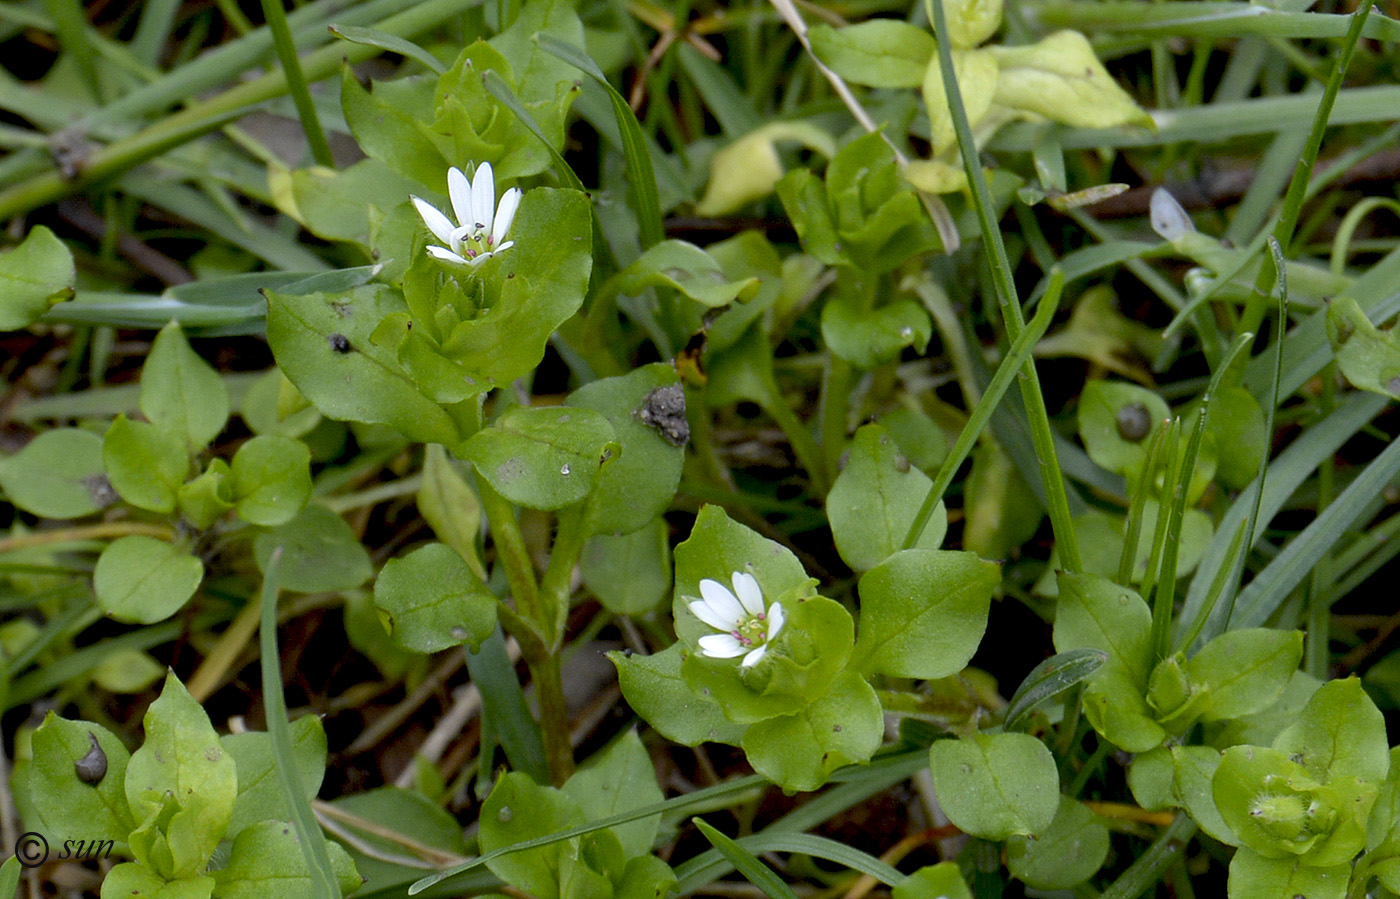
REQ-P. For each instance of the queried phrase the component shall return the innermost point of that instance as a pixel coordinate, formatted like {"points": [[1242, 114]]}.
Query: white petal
{"points": [[1169, 220], [752, 658], [505, 214], [505, 246], [721, 646], [749, 593], [711, 617], [722, 603], [776, 618], [439, 224], [447, 255], [479, 258], [483, 197], [461, 193]]}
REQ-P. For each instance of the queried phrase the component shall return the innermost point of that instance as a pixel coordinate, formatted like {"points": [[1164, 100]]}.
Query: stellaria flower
{"points": [[748, 627], [482, 225]]}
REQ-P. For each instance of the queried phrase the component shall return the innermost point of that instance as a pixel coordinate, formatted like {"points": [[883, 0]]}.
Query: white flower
{"points": [[747, 627], [479, 233]]}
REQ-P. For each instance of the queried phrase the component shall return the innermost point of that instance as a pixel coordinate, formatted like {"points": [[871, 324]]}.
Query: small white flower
{"points": [[479, 231], [747, 626]]}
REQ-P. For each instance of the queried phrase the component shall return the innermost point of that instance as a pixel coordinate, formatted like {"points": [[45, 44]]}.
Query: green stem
{"points": [[276, 16], [548, 679], [836, 395], [1161, 855], [1012, 317], [558, 576], [515, 559], [1297, 188]]}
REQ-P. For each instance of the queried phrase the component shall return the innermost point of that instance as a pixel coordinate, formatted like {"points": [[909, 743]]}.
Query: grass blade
{"points": [[1010, 367], [1051, 678], [755, 871], [313, 842]]}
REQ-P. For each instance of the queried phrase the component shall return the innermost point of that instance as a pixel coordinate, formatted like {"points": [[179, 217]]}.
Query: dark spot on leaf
{"points": [[340, 343], [836, 728], [100, 489], [664, 409], [1134, 422], [901, 463], [92, 767]]}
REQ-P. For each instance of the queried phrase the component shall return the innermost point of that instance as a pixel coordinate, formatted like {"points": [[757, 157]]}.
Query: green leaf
{"points": [[260, 796], [1069, 852], [127, 671], [653, 687], [388, 122], [1340, 733], [630, 574], [717, 547], [687, 268], [1368, 357], [431, 600], [205, 499], [799, 751], [802, 661], [536, 286], [364, 383], [58, 474], [875, 499], [977, 75], [747, 170], [350, 204], [943, 879], [1061, 79], [182, 393], [923, 612], [266, 859], [33, 277], [542, 458], [1277, 809], [450, 506], [519, 810], [131, 880], [146, 464], [144, 580], [617, 780], [1095, 613], [867, 338], [1051, 678], [1237, 422], [271, 479], [970, 22], [182, 761], [639, 485], [1117, 421], [1252, 876], [1195, 768], [70, 806], [876, 53], [996, 785], [1244, 671], [1002, 510], [320, 553]]}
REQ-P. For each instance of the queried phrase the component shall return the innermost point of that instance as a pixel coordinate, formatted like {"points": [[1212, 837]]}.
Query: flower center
{"points": [[752, 631]]}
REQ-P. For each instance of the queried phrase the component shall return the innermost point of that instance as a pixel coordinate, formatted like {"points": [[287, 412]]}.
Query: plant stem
{"points": [[1161, 855], [276, 16], [514, 558], [1012, 317], [87, 532], [563, 557], [554, 716]]}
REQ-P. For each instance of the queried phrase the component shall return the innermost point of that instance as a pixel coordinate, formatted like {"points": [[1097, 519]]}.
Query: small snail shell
{"points": [[1134, 422], [92, 767]]}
